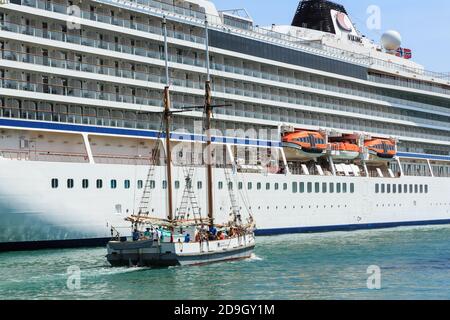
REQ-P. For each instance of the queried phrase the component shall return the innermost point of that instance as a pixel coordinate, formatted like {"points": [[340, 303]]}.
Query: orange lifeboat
{"points": [[381, 148], [304, 145], [344, 150]]}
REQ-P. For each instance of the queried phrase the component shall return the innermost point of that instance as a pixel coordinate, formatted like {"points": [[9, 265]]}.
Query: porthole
{"points": [[54, 183]]}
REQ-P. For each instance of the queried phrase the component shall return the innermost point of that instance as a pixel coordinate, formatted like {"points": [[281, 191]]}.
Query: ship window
{"points": [[85, 183], [294, 187], [388, 188], [230, 185], [421, 188], [324, 187], [277, 186], [220, 185], [99, 183], [317, 187], [416, 188], [249, 186], [405, 188], [338, 188], [285, 186], [199, 185], [309, 187], [394, 188], [240, 185], [426, 188], [344, 188], [70, 183], [54, 183], [140, 184], [302, 187], [383, 188], [177, 184], [377, 188], [126, 184], [164, 184], [352, 188], [113, 184], [267, 186], [258, 186], [331, 187], [152, 184], [399, 188]]}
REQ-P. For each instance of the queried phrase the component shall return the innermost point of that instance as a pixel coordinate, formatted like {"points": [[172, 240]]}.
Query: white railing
{"points": [[215, 22]]}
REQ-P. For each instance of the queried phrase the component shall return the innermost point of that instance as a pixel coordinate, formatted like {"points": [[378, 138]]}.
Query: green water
{"points": [[414, 262]]}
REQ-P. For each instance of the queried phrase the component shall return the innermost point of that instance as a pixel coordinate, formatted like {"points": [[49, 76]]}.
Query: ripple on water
{"points": [[414, 264]]}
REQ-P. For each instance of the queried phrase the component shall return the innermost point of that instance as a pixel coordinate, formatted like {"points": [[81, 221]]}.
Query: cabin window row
{"points": [[401, 188], [114, 184], [323, 187], [251, 186], [85, 184]]}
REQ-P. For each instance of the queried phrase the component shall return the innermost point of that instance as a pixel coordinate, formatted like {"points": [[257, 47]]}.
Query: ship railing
{"points": [[15, 155], [73, 65], [109, 70], [116, 21], [148, 6], [271, 36]]}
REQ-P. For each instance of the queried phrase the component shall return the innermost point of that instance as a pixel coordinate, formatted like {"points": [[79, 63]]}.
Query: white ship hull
{"points": [[34, 212], [79, 101]]}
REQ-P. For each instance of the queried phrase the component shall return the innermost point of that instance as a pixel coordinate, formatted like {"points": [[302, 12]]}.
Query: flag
{"points": [[404, 53], [407, 53]]}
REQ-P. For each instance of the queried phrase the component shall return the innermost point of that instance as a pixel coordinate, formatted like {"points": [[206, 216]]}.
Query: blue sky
{"points": [[424, 25]]}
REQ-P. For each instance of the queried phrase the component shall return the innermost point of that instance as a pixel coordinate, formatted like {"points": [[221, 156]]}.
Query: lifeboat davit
{"points": [[344, 151], [381, 149], [304, 145]]}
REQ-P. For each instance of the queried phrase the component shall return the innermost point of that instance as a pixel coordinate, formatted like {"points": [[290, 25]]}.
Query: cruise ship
{"points": [[320, 129]]}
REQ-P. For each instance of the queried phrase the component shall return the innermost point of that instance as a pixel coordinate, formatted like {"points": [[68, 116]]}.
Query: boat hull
{"points": [[344, 155], [154, 254], [295, 152]]}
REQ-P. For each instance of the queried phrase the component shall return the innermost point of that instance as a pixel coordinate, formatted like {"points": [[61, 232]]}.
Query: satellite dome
{"points": [[391, 40]]}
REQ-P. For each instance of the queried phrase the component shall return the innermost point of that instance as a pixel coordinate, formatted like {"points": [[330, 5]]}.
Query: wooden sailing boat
{"points": [[172, 242]]}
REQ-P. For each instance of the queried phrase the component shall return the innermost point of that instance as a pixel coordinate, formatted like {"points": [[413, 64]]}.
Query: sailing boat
{"points": [[180, 241]]}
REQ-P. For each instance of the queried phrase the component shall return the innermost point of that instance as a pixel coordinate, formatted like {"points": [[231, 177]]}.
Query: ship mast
{"points": [[208, 111], [167, 118]]}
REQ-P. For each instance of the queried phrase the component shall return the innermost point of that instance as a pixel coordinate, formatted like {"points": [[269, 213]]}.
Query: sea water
{"points": [[401, 263]]}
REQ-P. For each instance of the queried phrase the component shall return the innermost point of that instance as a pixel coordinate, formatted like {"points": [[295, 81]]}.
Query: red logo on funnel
{"points": [[344, 22]]}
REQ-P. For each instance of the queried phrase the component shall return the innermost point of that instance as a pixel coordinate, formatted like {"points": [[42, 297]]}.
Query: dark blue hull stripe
{"points": [[422, 156], [29, 124], [99, 242], [349, 227]]}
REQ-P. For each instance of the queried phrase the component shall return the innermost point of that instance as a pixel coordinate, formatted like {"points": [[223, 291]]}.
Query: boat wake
{"points": [[254, 257]]}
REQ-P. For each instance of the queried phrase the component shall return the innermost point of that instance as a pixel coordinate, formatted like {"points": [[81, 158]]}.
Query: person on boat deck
{"points": [[147, 233], [213, 230], [159, 233], [220, 236], [136, 235], [155, 234], [187, 238]]}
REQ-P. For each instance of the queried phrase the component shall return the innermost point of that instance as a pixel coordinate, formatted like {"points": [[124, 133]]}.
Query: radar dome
{"points": [[391, 40]]}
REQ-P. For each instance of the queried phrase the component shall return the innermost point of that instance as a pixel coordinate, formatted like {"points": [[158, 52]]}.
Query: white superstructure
{"points": [[81, 82]]}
